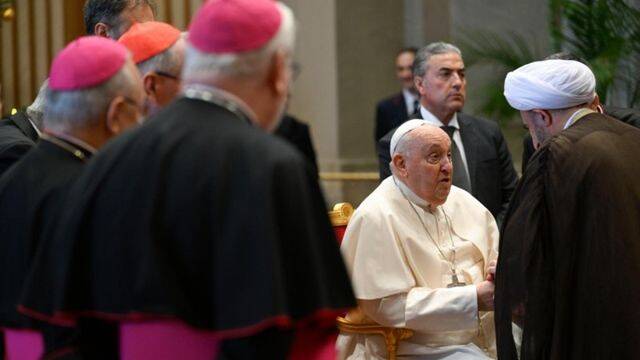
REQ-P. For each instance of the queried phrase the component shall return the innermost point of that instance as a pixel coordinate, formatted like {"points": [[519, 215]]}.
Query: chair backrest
{"points": [[340, 216], [22, 344], [165, 340]]}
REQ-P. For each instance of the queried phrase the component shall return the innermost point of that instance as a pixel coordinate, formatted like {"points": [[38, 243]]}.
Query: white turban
{"points": [[550, 84], [402, 130]]}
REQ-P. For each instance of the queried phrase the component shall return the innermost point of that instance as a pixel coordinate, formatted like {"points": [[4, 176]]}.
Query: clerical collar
{"points": [[222, 98], [34, 126], [410, 195], [433, 120], [580, 113], [73, 145]]}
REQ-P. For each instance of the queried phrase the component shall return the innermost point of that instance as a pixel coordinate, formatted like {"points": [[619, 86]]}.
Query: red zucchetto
{"points": [[148, 39], [86, 62], [234, 26]]}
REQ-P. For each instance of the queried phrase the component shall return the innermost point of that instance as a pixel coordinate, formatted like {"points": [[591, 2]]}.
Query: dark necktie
{"points": [[460, 176], [416, 108]]}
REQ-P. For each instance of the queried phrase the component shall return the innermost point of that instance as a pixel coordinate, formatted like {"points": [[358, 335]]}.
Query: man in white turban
{"points": [[570, 251], [420, 253]]}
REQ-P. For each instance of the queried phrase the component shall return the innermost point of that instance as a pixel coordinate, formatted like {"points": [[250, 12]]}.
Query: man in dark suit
{"points": [[297, 134], [19, 132], [481, 160], [393, 111]]}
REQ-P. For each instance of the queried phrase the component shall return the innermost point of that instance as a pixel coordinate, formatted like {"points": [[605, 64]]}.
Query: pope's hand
{"points": [[491, 271], [485, 291]]}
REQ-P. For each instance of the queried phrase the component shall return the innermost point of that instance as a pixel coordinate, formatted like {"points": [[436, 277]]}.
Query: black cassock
{"points": [[199, 216], [30, 196], [569, 264]]}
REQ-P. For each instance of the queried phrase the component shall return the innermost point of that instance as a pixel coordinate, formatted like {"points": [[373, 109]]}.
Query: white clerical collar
{"points": [[409, 95], [34, 126], [410, 195], [433, 120], [209, 93], [577, 116]]}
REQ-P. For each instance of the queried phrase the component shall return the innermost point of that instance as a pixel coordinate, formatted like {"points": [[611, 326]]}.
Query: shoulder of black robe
{"points": [[29, 198], [297, 133], [195, 215], [569, 253], [15, 140]]}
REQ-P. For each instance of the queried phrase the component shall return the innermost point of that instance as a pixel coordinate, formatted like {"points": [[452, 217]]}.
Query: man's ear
{"points": [[150, 82], [399, 164], [277, 75], [595, 105], [114, 113], [101, 29], [417, 82], [542, 117]]}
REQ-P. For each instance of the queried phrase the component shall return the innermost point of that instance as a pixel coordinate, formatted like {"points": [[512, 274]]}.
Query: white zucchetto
{"points": [[550, 84], [402, 130]]}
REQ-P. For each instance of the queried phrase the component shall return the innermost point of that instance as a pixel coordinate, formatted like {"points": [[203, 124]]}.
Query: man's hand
{"points": [[485, 291], [491, 271]]}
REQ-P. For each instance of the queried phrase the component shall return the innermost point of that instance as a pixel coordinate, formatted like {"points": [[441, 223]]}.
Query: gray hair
{"points": [[35, 111], [168, 61], [199, 65], [420, 64], [81, 108]]}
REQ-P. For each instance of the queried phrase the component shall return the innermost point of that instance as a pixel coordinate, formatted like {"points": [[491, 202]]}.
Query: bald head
{"points": [[422, 161]]}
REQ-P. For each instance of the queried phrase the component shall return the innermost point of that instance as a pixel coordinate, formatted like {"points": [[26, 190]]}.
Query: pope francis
{"points": [[421, 254]]}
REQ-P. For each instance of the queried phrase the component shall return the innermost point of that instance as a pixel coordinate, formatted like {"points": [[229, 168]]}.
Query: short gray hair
{"points": [[199, 65], [420, 64], [80, 108], [168, 61], [35, 111]]}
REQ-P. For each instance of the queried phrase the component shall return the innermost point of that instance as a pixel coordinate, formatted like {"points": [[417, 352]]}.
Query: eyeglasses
{"points": [[167, 75]]}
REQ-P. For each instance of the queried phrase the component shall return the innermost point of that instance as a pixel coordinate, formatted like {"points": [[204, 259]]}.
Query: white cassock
{"points": [[400, 278]]}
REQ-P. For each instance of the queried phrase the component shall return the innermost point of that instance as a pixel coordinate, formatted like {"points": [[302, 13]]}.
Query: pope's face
{"points": [[428, 167]]}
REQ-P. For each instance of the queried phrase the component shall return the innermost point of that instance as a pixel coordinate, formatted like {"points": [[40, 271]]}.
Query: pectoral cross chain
{"points": [[454, 280]]}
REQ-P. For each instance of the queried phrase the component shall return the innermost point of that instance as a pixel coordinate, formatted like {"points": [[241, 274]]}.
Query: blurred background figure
{"points": [[231, 232], [112, 18], [158, 51], [94, 93], [20, 132], [393, 111]]}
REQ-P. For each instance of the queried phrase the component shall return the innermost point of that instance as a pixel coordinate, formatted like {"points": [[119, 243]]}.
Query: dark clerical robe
{"points": [[198, 216], [569, 265], [30, 197]]}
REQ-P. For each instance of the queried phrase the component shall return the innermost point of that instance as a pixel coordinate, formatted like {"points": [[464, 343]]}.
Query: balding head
{"points": [[253, 67], [422, 161]]}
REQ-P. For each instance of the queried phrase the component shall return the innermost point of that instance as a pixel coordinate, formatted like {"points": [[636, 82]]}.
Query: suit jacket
{"points": [[297, 133], [17, 136], [629, 116], [390, 113], [493, 177]]}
